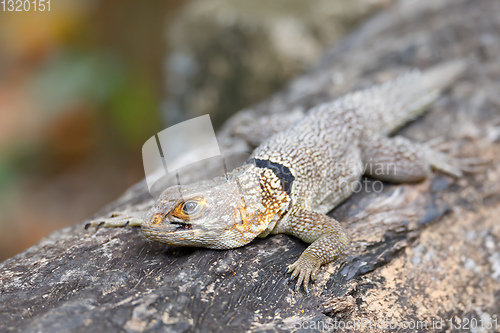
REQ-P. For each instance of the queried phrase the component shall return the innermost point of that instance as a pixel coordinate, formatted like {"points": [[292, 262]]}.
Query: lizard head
{"points": [[209, 214]]}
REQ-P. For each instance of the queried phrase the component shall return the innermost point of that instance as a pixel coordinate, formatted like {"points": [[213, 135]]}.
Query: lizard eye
{"points": [[190, 207]]}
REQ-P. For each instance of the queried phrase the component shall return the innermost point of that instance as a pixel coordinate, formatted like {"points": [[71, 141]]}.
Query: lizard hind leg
{"points": [[400, 160], [328, 240], [394, 159]]}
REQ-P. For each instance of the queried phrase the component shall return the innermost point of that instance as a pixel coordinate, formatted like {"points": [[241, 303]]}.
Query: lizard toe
{"points": [[304, 268]]}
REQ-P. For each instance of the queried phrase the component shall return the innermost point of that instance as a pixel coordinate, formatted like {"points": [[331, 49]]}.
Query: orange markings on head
{"points": [[157, 218]]}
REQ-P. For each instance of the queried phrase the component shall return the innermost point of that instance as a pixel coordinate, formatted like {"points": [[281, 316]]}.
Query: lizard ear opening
{"points": [[241, 218]]}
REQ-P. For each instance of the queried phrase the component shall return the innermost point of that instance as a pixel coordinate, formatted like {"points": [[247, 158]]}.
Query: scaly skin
{"points": [[301, 173]]}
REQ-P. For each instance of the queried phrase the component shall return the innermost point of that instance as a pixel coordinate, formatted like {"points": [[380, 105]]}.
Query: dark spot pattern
{"points": [[282, 172]]}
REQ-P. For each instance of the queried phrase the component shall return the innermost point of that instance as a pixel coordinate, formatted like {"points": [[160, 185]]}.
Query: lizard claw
{"points": [[472, 164], [449, 163], [454, 166], [304, 270]]}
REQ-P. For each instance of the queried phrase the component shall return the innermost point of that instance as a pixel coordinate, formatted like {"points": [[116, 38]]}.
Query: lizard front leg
{"points": [[118, 220], [328, 239], [123, 218]]}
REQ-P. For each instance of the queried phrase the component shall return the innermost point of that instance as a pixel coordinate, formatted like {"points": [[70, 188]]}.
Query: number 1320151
{"points": [[25, 5]]}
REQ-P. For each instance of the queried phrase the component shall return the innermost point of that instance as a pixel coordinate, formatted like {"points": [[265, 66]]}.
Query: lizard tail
{"points": [[395, 103]]}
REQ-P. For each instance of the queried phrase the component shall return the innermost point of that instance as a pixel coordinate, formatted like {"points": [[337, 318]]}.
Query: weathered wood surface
{"points": [[420, 252]]}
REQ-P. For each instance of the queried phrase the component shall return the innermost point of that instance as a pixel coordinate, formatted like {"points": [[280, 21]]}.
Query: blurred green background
{"points": [[83, 86], [80, 89]]}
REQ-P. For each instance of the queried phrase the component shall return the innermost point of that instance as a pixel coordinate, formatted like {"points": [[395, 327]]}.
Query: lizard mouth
{"points": [[169, 233], [182, 225], [172, 227]]}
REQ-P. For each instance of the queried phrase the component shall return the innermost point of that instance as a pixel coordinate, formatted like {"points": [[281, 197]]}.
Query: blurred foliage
{"points": [[126, 99], [80, 91]]}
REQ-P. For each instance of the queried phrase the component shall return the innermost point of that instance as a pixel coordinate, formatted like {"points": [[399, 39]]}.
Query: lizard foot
{"points": [[442, 155], [454, 166], [115, 220], [304, 268]]}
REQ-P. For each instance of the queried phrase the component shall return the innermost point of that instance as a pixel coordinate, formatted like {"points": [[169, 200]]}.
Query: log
{"points": [[423, 256]]}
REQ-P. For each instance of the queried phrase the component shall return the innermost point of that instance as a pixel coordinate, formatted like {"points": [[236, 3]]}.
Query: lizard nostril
{"points": [[157, 219]]}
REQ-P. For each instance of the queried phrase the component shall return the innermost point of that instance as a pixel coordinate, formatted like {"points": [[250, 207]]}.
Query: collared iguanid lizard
{"points": [[298, 175]]}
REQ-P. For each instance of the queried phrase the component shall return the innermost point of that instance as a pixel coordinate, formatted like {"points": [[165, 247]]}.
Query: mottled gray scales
{"points": [[394, 159], [324, 153]]}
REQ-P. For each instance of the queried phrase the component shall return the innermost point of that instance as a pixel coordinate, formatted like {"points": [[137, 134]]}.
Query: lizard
{"points": [[296, 176]]}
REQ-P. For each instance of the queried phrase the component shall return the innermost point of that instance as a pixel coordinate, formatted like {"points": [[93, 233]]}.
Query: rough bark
{"points": [[420, 252]]}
